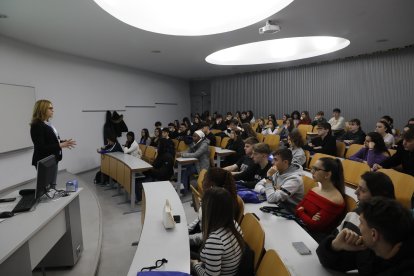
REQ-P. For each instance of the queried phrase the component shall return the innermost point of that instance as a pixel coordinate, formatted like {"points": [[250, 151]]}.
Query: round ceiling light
{"points": [[278, 50], [191, 17]]}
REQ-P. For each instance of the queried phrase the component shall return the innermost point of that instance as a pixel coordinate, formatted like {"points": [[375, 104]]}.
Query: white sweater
{"points": [[134, 150]]}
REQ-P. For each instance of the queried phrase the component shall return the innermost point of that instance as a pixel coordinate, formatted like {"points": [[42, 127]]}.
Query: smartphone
{"points": [[11, 199], [301, 248]]}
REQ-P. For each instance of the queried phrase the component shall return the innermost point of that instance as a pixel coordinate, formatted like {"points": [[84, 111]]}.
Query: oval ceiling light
{"points": [[191, 17], [278, 50]]}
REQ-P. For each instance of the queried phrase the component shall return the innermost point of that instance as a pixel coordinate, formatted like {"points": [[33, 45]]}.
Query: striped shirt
{"points": [[221, 254]]}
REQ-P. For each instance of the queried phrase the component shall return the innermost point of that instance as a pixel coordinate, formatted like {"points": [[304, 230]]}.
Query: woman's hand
{"points": [[371, 145], [70, 143], [316, 217]]}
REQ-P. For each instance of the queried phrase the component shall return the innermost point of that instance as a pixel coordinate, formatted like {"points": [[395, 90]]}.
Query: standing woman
{"points": [[222, 244], [44, 135], [131, 146]]}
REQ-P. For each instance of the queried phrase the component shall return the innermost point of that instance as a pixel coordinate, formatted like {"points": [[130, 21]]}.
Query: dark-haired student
{"points": [[205, 128], [219, 123], [245, 167], [173, 131], [324, 142], [322, 207], [371, 184], [373, 152], [237, 145], [403, 159], [337, 123], [261, 152], [145, 137], [354, 135], [319, 118], [384, 246], [223, 244], [131, 146]]}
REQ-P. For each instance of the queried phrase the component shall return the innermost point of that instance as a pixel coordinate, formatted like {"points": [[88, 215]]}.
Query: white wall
{"points": [[74, 84]]}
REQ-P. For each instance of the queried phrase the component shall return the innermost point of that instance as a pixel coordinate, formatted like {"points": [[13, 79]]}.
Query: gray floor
{"points": [[107, 231]]}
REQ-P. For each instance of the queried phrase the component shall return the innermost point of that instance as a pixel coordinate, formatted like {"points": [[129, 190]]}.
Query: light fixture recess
{"points": [[191, 17], [277, 50]]}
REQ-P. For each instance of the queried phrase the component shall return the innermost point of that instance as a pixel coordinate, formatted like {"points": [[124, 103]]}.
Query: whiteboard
{"points": [[16, 107]]}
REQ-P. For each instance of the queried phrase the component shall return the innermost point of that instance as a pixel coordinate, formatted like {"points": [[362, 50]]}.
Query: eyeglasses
{"points": [[315, 169]]}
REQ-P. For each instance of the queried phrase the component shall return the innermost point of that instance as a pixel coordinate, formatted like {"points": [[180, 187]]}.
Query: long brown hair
{"points": [[218, 211], [217, 177], [40, 111]]}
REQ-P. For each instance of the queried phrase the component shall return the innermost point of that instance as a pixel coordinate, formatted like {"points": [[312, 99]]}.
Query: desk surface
{"points": [[156, 242], [15, 231], [222, 151], [279, 235], [134, 163]]}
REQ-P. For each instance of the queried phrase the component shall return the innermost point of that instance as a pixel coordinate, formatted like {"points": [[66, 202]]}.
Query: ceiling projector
{"points": [[269, 28]]}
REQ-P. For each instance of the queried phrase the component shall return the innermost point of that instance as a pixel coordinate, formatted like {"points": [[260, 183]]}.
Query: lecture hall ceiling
{"points": [[82, 28]]}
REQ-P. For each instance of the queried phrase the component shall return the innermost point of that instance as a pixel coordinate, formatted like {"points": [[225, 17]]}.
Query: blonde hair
{"points": [[40, 111]]}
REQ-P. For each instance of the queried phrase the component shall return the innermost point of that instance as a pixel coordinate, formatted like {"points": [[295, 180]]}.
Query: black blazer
{"points": [[45, 142]]}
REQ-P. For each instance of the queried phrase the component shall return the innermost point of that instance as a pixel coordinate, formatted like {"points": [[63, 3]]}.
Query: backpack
{"points": [[98, 178]]}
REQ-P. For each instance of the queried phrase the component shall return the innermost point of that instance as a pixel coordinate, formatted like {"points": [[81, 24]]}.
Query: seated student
{"points": [[188, 126], [324, 142], [111, 146], [198, 149], [173, 131], [371, 184], [155, 139], [245, 168], [236, 144], [373, 152], [261, 152], [283, 183], [145, 138], [295, 117], [250, 116], [337, 123], [165, 133], [233, 125], [323, 206], [319, 118], [390, 122], [244, 118], [229, 116], [183, 132], [295, 145], [384, 247], [219, 124], [304, 118], [384, 129], [157, 124], [205, 128], [271, 117], [247, 131], [403, 159], [354, 135], [197, 124], [223, 244], [284, 130], [215, 177], [260, 125], [131, 146], [162, 168], [270, 128]]}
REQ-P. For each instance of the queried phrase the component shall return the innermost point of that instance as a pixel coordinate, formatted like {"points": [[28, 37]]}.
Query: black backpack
{"points": [[98, 178]]}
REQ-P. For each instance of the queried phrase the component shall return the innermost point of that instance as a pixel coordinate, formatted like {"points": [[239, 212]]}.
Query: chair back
{"points": [[142, 148], [307, 154], [351, 203], [279, 122], [224, 142], [316, 157], [254, 236], [196, 198], [150, 154], [218, 141], [354, 148], [241, 209], [403, 186], [353, 171], [215, 131], [303, 130], [340, 149], [176, 142], [272, 140], [212, 153], [254, 126], [200, 180], [308, 184], [272, 265], [260, 137], [182, 146]]}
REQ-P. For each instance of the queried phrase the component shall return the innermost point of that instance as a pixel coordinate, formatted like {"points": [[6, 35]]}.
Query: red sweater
{"points": [[329, 212]]}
